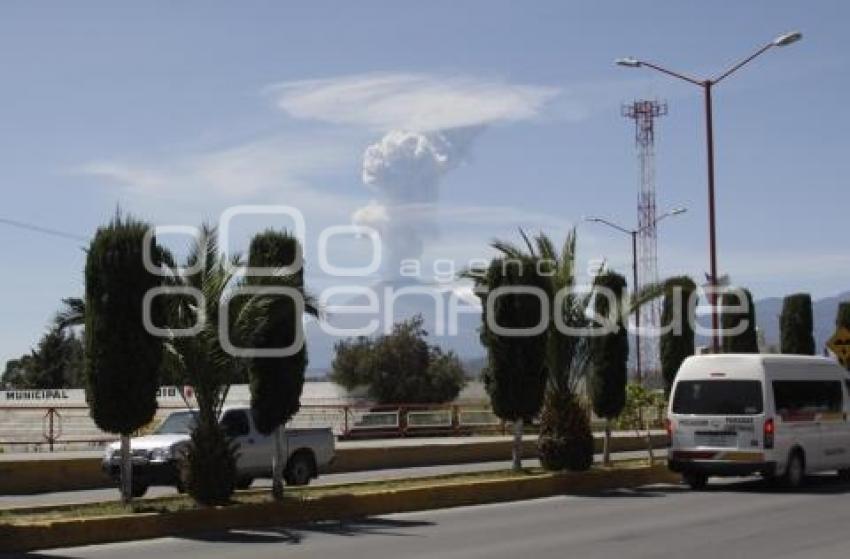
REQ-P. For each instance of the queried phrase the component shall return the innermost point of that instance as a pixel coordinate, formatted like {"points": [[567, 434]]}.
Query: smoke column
{"points": [[405, 169]]}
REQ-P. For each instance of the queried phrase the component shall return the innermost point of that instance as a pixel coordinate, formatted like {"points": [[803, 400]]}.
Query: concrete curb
{"points": [[68, 533], [43, 476]]}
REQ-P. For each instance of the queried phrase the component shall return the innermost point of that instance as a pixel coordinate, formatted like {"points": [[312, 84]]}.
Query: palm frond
{"points": [[73, 313], [508, 249], [646, 294], [528, 243]]}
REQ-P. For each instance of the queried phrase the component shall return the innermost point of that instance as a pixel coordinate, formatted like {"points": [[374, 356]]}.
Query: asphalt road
{"points": [[96, 495], [745, 519]]}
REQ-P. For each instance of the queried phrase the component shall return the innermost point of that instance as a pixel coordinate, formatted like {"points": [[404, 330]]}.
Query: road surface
{"points": [[95, 495], [745, 519]]}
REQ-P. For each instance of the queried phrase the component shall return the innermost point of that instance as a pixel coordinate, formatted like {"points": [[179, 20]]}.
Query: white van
{"points": [[777, 415]]}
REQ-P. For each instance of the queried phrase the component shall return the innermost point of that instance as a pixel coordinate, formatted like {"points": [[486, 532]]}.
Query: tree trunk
{"points": [[606, 443], [517, 448], [649, 443], [278, 463], [126, 470]]}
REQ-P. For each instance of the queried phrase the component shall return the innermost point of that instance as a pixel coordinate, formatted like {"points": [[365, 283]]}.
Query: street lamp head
{"points": [[591, 218], [787, 39], [679, 210], [628, 62]]}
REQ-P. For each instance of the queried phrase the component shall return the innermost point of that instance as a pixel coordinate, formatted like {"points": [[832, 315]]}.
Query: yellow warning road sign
{"points": [[839, 343]]}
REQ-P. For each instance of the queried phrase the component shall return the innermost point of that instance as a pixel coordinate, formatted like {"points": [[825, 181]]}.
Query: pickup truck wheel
{"points": [[139, 489], [299, 471], [697, 482], [244, 482]]}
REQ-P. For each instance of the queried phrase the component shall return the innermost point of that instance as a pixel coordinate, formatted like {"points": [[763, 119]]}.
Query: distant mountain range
{"points": [[823, 310], [466, 343]]}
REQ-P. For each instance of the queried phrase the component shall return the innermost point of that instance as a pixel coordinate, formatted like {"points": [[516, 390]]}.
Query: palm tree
{"points": [[72, 313], [202, 360], [566, 439]]}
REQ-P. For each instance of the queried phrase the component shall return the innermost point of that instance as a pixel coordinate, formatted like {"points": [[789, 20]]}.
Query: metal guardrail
{"points": [[36, 428], [69, 427]]}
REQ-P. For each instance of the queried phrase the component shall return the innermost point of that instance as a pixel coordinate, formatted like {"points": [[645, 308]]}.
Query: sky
{"points": [[507, 113]]}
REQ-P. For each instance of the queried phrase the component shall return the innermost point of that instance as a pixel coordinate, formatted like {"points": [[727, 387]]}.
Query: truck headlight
{"points": [[161, 454]]}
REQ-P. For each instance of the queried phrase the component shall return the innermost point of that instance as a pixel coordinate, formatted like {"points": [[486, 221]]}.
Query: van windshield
{"points": [[718, 397]]}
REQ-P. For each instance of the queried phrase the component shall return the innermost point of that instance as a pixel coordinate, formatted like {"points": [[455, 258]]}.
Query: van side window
{"points": [[235, 424], [800, 400]]}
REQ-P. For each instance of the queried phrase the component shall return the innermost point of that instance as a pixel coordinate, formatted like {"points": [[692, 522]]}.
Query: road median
{"points": [[40, 475], [51, 527]]}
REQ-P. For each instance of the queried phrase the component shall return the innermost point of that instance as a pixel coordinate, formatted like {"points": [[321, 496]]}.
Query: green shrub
{"points": [[639, 401], [566, 439], [746, 341], [276, 382], [210, 465], [796, 325], [122, 358], [677, 341], [401, 367], [610, 352]]}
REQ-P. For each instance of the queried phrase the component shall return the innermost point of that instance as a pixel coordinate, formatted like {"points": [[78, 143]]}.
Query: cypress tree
{"points": [[609, 354], [842, 317], [796, 325], [515, 376], [677, 339], [122, 358], [746, 341], [277, 382]]}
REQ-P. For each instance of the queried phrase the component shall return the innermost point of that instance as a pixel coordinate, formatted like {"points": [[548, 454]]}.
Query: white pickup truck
{"points": [[155, 456]]}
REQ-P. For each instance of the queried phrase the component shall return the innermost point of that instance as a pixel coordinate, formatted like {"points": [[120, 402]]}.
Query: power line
{"points": [[43, 230]]}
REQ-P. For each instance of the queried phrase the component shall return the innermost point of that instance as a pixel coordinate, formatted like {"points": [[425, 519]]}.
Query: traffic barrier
{"points": [[55, 474], [27, 426], [438, 494]]}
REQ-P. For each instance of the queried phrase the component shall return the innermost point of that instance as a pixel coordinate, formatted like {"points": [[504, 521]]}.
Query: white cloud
{"points": [[267, 165], [422, 102]]}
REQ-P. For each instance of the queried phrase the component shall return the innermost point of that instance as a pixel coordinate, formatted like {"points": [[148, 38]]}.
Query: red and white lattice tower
{"points": [[644, 114]]}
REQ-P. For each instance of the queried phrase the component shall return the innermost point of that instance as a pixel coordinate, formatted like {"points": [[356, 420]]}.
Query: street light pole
{"points": [[712, 228], [638, 373], [634, 234], [706, 85]]}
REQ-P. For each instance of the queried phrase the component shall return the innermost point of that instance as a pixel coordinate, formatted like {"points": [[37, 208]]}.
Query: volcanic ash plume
{"points": [[405, 169]]}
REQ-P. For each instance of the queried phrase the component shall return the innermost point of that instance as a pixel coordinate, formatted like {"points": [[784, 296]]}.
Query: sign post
{"points": [[839, 344]]}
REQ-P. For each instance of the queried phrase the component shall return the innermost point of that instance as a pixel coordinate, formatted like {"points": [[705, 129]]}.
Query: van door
{"points": [[800, 406], [722, 417], [833, 424]]}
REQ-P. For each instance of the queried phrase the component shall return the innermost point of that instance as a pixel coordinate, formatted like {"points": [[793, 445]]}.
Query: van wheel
{"points": [[695, 481], [844, 475], [795, 472], [299, 471]]}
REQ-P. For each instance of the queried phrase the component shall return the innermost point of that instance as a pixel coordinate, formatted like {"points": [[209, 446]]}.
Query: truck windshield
{"points": [[718, 397], [180, 423]]}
